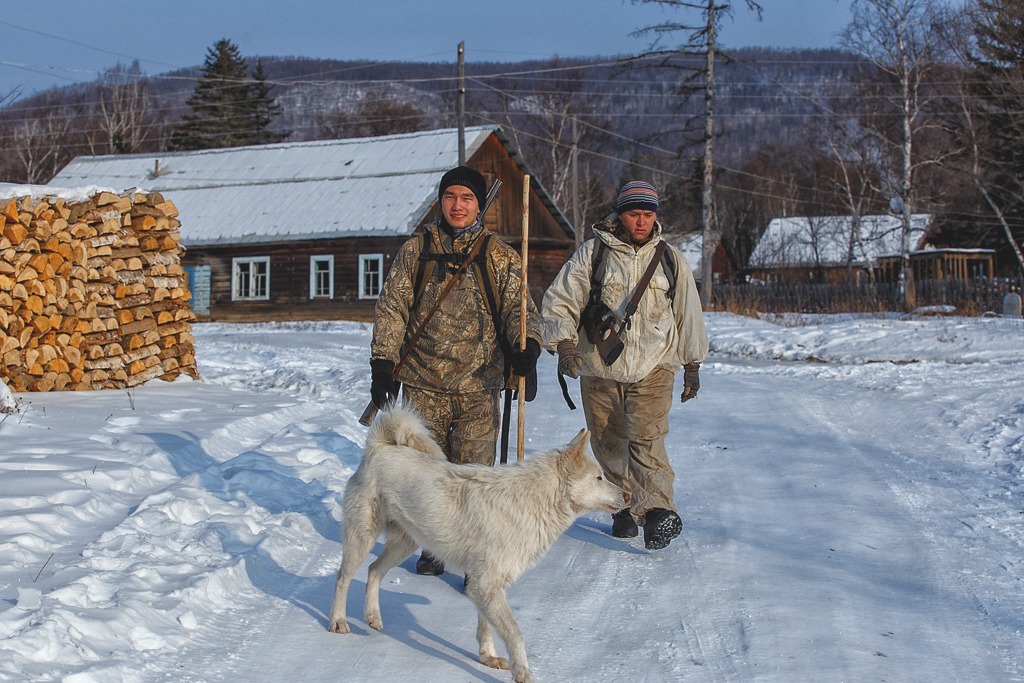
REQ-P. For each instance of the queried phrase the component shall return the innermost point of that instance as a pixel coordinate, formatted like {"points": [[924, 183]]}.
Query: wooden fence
{"points": [[970, 297]]}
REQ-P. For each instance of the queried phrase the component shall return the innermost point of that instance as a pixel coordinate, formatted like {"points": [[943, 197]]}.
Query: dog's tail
{"points": [[401, 425]]}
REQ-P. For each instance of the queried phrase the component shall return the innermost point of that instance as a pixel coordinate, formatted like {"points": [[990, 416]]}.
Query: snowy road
{"points": [[848, 520]]}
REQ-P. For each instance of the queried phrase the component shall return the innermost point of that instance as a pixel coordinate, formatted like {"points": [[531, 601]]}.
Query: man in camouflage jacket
{"points": [[455, 372]]}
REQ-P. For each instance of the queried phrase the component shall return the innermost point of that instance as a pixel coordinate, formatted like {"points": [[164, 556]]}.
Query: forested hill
{"points": [[763, 96]]}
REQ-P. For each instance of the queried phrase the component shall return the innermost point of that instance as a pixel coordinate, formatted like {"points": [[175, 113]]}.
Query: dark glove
{"points": [[569, 359], [524, 362], [383, 387], [691, 381]]}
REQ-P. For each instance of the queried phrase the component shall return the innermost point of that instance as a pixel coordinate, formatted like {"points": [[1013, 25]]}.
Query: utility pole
{"points": [[575, 188], [707, 237], [462, 104]]}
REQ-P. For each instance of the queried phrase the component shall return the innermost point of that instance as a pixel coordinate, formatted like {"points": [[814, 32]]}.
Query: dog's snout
{"points": [[625, 497]]}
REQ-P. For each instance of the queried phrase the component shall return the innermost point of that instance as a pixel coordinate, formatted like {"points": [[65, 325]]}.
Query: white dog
{"points": [[494, 523]]}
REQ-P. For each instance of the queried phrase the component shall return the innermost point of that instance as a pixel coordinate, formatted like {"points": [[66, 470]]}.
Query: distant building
{"points": [[296, 231], [940, 264], [691, 244], [818, 248]]}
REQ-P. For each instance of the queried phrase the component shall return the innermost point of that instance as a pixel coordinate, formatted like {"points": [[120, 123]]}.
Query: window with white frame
{"points": [[371, 274], [321, 277], [252, 278]]}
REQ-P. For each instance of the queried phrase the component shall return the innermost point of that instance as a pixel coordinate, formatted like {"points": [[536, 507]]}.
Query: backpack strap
{"points": [[668, 264], [598, 264], [424, 268], [486, 283]]}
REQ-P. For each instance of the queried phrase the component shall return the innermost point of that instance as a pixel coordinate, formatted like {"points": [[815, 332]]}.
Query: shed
{"points": [[308, 230], [807, 249]]}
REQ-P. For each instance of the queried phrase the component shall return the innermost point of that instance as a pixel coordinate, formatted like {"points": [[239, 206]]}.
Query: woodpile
{"points": [[92, 294]]}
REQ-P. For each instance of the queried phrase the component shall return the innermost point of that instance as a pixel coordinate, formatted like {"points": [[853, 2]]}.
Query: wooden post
{"points": [[524, 293], [461, 107]]}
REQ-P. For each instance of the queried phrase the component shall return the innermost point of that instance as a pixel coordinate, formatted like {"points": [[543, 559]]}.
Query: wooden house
{"points": [[818, 249], [940, 264], [308, 230]]}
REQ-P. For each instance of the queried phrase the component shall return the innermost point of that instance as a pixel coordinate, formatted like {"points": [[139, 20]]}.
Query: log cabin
{"points": [[308, 230]]}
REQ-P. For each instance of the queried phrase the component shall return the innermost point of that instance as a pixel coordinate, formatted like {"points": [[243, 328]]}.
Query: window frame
{"points": [[363, 259], [238, 261], [313, 260]]}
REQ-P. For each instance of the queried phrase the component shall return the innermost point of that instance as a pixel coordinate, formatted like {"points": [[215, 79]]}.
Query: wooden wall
{"points": [[289, 279]]}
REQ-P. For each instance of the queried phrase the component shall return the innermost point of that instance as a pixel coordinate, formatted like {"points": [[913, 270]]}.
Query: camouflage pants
{"points": [[628, 423], [464, 425]]}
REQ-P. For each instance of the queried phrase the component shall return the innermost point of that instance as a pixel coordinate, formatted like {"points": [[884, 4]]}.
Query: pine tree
{"points": [[228, 108], [263, 109]]}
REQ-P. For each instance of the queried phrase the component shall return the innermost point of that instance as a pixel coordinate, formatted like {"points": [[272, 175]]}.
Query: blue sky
{"points": [[165, 35]]}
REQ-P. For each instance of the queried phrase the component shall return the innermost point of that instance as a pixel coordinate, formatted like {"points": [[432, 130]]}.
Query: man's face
{"points": [[638, 223], [459, 206]]}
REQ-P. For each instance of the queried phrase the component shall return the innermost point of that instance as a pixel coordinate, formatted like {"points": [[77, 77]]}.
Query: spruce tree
{"points": [[263, 109], [228, 108]]}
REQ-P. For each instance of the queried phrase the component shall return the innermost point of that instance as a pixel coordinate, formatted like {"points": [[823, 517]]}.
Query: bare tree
{"points": [[43, 140], [547, 120], [989, 95], [124, 108], [701, 41], [377, 113], [898, 38], [856, 151]]}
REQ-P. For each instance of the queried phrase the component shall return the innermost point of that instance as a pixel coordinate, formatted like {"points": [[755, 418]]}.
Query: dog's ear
{"points": [[577, 447]]}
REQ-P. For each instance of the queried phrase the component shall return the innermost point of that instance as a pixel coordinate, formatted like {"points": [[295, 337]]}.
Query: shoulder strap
{"points": [[486, 283], [641, 286], [598, 264], [668, 264], [424, 269]]}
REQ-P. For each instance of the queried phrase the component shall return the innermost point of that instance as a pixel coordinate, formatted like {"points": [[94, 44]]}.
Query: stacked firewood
{"points": [[92, 294]]}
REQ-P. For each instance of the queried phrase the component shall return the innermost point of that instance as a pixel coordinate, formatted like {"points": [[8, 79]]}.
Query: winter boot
{"points": [[623, 525], [660, 527], [428, 565]]}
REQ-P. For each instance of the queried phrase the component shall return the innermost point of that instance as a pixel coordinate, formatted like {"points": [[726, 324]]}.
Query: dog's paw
{"points": [[522, 675], [494, 661], [374, 621], [339, 627]]}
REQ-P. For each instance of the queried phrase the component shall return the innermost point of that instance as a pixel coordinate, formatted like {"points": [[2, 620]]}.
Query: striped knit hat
{"points": [[637, 195]]}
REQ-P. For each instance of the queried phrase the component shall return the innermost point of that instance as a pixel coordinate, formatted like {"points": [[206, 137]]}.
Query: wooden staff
{"points": [[524, 292]]}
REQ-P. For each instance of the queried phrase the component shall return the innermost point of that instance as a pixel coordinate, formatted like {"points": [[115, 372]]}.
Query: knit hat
{"points": [[467, 177], [637, 195]]}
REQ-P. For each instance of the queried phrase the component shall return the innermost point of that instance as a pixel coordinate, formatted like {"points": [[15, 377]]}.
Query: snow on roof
{"points": [[825, 240], [289, 191], [691, 246]]}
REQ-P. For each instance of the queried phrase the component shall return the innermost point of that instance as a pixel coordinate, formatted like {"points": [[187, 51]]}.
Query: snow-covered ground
{"points": [[850, 488]]}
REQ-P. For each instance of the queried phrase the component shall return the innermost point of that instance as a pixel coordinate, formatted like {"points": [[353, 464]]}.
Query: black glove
{"points": [[383, 387], [691, 381], [524, 362]]}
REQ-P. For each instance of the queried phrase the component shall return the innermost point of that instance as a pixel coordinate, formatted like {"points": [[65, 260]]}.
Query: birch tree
{"points": [[897, 37]]}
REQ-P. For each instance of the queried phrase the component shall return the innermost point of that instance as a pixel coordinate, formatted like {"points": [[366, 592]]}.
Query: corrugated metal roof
{"points": [[825, 240], [289, 191]]}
